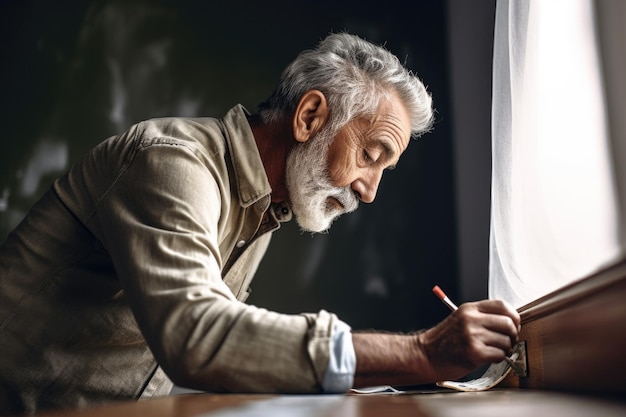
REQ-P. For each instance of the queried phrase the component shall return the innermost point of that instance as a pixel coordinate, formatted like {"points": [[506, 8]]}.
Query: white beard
{"points": [[309, 186]]}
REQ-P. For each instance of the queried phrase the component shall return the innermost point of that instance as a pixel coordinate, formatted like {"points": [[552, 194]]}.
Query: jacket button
{"points": [[240, 243]]}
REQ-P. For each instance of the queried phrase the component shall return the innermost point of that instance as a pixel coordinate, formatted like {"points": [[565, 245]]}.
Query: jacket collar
{"points": [[252, 182]]}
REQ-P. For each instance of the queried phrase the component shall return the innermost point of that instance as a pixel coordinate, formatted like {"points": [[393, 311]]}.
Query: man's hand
{"points": [[475, 334]]}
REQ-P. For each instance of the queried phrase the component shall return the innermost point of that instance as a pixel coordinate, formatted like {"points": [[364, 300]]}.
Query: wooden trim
{"points": [[572, 293], [576, 336]]}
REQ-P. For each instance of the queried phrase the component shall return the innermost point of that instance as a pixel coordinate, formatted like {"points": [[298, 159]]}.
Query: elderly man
{"points": [[132, 270]]}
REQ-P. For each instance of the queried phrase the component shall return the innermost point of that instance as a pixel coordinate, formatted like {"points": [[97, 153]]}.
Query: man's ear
{"points": [[310, 115]]}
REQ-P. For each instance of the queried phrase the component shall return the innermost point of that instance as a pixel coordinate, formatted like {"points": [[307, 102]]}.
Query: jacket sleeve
{"points": [[160, 221]]}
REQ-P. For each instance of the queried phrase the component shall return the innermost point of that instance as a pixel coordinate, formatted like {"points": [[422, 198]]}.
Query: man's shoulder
{"points": [[178, 127], [198, 133], [207, 131]]}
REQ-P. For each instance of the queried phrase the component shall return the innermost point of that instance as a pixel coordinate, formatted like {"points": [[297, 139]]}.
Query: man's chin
{"points": [[318, 216], [316, 225], [324, 228]]}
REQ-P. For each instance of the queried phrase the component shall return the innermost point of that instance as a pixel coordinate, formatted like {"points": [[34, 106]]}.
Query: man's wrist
{"points": [[423, 351]]}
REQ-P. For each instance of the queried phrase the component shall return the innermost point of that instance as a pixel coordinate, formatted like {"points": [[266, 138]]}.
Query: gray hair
{"points": [[354, 75]]}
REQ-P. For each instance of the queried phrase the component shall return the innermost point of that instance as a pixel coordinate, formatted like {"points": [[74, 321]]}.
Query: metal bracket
{"points": [[519, 360]]}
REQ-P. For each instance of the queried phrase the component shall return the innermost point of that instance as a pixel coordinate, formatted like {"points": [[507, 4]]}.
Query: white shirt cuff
{"points": [[339, 376]]}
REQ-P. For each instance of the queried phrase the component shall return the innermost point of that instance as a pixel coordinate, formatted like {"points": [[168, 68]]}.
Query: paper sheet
{"points": [[492, 377], [383, 389]]}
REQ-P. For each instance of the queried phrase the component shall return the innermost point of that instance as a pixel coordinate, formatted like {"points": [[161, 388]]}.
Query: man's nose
{"points": [[366, 187]]}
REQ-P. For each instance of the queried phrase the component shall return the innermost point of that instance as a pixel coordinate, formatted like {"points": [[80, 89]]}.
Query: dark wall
{"points": [[470, 28], [76, 72]]}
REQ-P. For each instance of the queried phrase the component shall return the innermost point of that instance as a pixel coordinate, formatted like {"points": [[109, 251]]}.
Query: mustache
{"points": [[319, 183], [347, 198]]}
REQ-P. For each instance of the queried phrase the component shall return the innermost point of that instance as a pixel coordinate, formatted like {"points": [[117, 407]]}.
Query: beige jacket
{"points": [[143, 254]]}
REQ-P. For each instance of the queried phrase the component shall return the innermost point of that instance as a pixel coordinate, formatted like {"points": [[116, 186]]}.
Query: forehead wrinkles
{"points": [[390, 127], [393, 116]]}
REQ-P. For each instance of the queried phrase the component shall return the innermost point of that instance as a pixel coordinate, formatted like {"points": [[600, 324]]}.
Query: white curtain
{"points": [[557, 145]]}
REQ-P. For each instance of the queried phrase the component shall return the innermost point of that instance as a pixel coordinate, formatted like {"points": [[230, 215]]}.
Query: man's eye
{"points": [[367, 157]]}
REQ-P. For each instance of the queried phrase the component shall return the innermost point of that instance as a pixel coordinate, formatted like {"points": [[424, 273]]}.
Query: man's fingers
{"points": [[493, 355], [502, 324], [495, 323], [498, 307], [504, 309], [499, 341]]}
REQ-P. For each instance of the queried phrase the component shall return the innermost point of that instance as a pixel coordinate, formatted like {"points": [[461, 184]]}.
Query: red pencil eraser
{"points": [[439, 292]]}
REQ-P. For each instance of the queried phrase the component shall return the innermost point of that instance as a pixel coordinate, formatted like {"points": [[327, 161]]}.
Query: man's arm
{"points": [[160, 223], [475, 334]]}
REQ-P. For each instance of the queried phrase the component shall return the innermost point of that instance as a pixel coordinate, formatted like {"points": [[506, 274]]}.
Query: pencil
{"points": [[443, 297]]}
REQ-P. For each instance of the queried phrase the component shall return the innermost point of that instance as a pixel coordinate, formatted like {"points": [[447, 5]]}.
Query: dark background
{"points": [[76, 72]]}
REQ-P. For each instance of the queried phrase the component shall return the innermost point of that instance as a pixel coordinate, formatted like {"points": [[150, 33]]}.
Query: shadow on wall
{"points": [[85, 70]]}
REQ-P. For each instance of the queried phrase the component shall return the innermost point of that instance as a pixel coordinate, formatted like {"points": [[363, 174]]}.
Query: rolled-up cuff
{"points": [[331, 351], [339, 375]]}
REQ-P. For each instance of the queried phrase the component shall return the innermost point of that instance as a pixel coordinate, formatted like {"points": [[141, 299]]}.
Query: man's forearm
{"points": [[390, 359]]}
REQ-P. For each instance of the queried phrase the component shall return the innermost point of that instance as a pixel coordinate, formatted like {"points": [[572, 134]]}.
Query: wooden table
{"points": [[497, 402]]}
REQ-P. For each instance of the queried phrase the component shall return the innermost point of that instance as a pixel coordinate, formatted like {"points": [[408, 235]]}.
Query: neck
{"points": [[274, 143]]}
